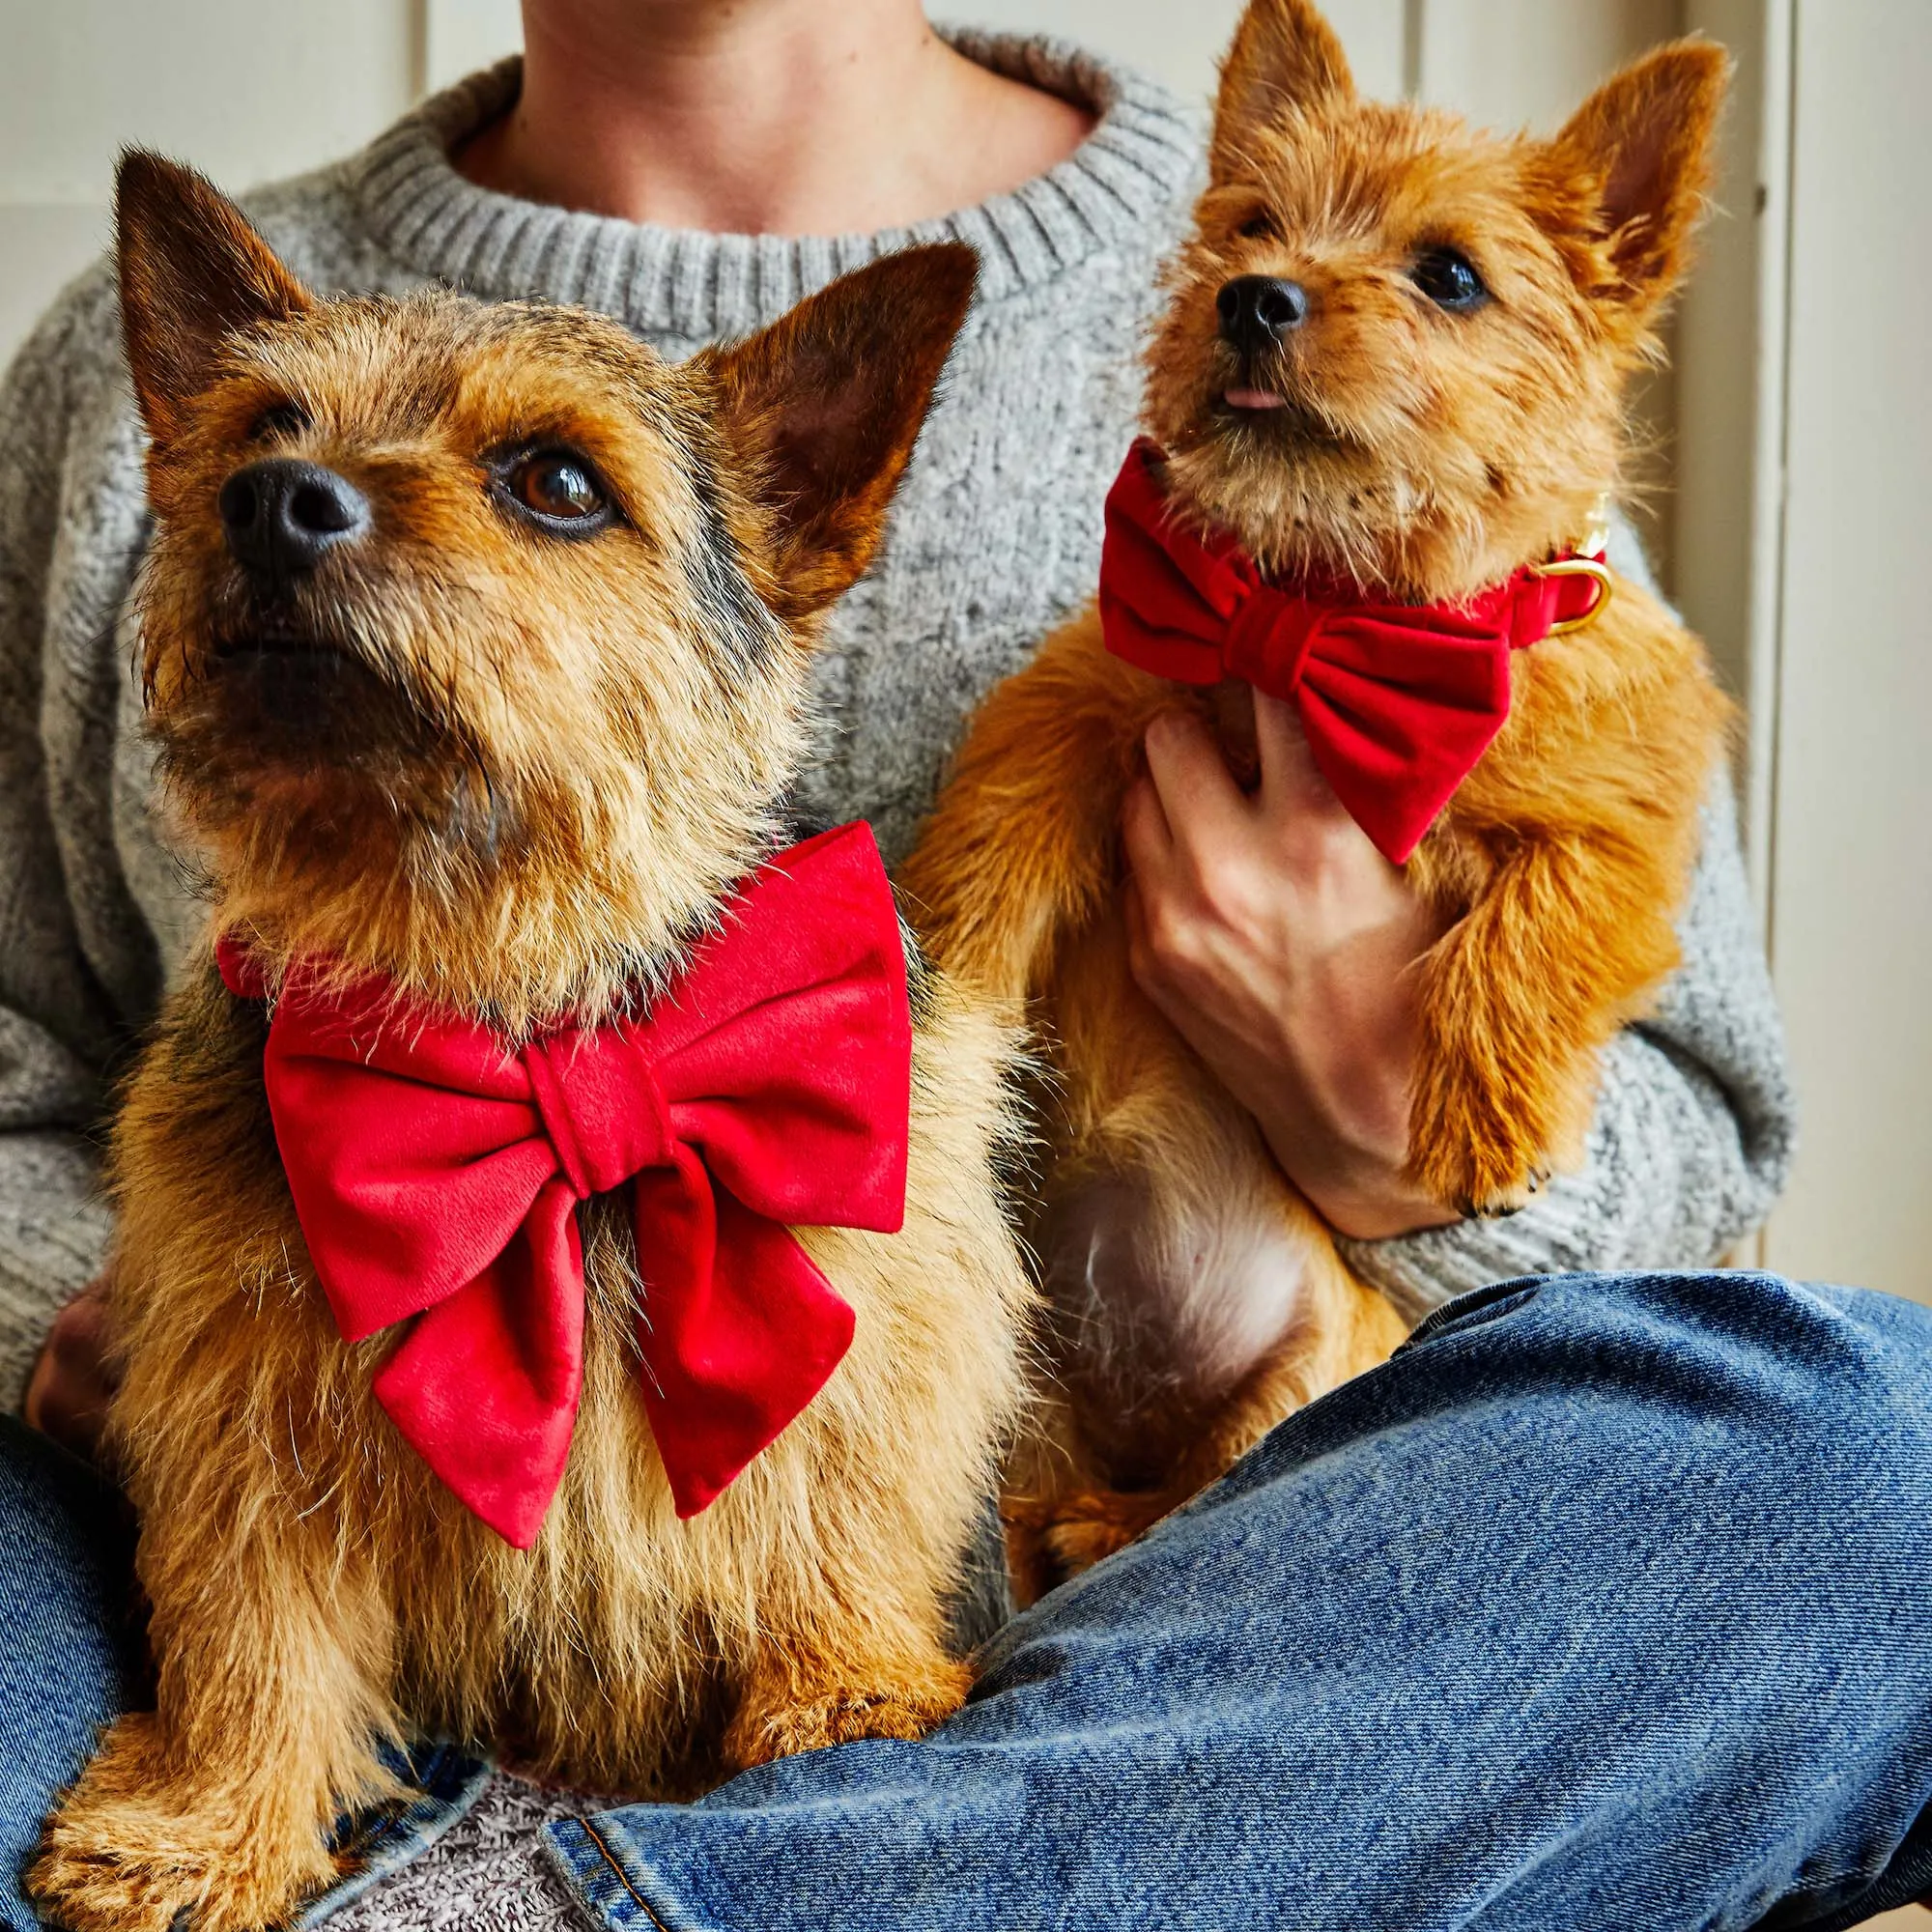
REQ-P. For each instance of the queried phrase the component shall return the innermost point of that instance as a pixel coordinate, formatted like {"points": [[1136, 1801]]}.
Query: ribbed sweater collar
{"points": [[1131, 169]]}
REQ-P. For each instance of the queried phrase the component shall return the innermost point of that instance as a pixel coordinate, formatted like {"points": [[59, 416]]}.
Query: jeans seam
{"points": [[1483, 1305], [643, 1904]]}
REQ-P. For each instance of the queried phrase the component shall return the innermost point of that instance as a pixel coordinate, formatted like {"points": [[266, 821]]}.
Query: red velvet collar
{"points": [[1399, 700]]}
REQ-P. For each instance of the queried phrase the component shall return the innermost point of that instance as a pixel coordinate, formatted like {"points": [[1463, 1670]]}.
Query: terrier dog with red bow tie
{"points": [[564, 1291], [1383, 413]]}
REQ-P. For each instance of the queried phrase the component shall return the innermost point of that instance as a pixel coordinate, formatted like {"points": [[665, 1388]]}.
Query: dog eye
{"points": [[1448, 279], [283, 419], [1258, 227], [558, 489]]}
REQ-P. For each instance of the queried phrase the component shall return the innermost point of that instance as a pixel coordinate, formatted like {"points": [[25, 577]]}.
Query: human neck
{"points": [[766, 117]]}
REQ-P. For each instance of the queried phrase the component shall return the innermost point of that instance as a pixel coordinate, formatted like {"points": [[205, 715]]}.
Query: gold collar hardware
{"points": [[1596, 537]]}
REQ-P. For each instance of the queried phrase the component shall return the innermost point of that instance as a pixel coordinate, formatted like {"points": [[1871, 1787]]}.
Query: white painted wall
{"points": [[1727, 512], [1512, 62], [1851, 876], [246, 90]]}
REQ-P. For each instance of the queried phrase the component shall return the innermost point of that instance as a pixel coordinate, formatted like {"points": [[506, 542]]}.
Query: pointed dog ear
{"points": [[821, 409], [192, 274], [1646, 139], [1284, 55]]}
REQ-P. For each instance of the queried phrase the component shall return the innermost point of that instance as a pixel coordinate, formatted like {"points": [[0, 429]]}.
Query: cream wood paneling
{"points": [[1851, 862], [460, 35], [1729, 504]]}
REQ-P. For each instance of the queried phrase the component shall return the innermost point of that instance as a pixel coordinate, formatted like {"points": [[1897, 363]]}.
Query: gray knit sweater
{"points": [[995, 539]]}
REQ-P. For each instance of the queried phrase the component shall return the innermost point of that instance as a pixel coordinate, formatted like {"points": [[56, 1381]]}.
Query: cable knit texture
{"points": [[995, 538]]}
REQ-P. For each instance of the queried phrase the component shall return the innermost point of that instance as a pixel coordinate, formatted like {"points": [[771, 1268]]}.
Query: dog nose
{"points": [[1258, 310], [280, 517]]}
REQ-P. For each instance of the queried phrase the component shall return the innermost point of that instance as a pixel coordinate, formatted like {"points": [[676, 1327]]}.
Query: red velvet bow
{"points": [[436, 1173], [1398, 700]]}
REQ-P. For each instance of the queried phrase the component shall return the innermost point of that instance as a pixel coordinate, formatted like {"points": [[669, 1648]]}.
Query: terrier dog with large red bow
{"points": [[1383, 409], [565, 1295]]}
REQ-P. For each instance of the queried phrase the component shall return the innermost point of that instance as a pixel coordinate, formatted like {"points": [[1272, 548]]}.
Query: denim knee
{"points": [[1816, 1399], [1841, 1377], [1856, 1393]]}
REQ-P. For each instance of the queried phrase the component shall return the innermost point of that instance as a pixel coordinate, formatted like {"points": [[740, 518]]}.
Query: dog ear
{"points": [[192, 274], [821, 410], [1284, 55], [1646, 139]]}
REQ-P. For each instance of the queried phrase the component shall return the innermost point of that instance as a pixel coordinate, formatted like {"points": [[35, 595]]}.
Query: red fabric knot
{"points": [[435, 1171], [1270, 640], [1398, 701], [600, 1105]]}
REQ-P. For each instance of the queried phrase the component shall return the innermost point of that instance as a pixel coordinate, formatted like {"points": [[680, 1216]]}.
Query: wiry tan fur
{"points": [[553, 755], [1422, 455]]}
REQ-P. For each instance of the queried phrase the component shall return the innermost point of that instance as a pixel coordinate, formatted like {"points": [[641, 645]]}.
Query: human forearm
{"points": [[1666, 1182]]}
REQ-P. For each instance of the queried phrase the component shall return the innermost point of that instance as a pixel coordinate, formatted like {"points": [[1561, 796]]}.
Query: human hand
{"points": [[75, 1378], [1282, 946]]}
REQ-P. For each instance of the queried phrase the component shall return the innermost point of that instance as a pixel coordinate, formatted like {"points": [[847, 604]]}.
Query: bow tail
{"points": [[1393, 760], [485, 1385], [739, 1329]]}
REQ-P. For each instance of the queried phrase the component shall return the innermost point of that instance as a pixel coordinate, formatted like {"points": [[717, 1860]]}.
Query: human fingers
{"points": [[74, 1380], [1291, 779], [1205, 808]]}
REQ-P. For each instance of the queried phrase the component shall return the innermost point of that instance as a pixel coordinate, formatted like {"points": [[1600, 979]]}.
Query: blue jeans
{"points": [[1607, 1604]]}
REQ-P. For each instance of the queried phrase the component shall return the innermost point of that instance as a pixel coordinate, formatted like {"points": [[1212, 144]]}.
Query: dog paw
{"points": [[1500, 1203], [122, 1854], [1050, 1542], [1089, 1528], [846, 1714], [1481, 1183]]}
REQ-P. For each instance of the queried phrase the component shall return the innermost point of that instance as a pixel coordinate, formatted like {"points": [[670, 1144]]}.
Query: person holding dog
{"points": [[1638, 1640], [649, 161]]}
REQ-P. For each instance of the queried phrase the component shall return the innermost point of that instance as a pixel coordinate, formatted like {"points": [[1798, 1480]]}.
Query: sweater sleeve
{"points": [[1695, 1121], [1694, 1129], [57, 1029]]}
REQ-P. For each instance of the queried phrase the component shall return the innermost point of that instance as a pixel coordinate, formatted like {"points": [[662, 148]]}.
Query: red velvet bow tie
{"points": [[436, 1173], [1398, 700]]}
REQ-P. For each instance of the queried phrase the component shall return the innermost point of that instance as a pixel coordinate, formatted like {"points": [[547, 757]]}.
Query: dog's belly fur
{"points": [[1174, 1257], [1163, 1302]]}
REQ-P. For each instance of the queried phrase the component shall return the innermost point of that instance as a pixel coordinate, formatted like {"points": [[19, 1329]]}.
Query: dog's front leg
{"points": [[851, 1644], [1021, 846], [1519, 998], [273, 1648]]}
